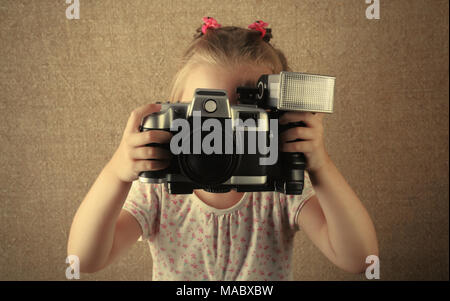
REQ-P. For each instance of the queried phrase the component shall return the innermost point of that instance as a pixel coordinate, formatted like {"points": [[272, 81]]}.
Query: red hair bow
{"points": [[259, 26], [209, 23]]}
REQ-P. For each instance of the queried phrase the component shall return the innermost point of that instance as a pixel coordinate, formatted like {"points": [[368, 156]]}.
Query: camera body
{"points": [[214, 144]]}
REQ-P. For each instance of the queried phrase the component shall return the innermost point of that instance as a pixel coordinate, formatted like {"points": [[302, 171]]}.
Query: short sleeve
{"points": [[293, 204], [143, 203]]}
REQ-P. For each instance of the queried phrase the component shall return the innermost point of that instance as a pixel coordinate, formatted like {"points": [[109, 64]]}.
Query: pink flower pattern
{"points": [[190, 240]]}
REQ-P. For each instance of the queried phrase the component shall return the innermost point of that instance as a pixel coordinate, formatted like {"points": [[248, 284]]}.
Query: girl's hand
{"points": [[131, 156], [313, 146]]}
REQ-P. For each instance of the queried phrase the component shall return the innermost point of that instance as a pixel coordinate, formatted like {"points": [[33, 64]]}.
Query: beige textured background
{"points": [[67, 88]]}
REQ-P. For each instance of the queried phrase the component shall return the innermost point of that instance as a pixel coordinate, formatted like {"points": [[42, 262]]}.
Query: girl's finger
{"points": [[150, 152], [292, 134], [146, 165], [135, 119], [143, 138], [306, 117], [297, 147], [320, 116]]}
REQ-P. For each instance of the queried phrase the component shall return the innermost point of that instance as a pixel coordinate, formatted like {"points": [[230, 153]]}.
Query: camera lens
{"points": [[212, 169], [208, 169]]}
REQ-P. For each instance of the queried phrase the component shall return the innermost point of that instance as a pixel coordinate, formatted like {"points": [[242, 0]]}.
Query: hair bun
{"points": [[208, 23], [268, 35], [261, 26]]}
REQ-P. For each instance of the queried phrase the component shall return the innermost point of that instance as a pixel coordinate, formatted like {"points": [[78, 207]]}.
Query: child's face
{"points": [[215, 77]]}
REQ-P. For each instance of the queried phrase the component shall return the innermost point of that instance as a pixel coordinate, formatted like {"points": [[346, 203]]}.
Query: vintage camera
{"points": [[232, 162]]}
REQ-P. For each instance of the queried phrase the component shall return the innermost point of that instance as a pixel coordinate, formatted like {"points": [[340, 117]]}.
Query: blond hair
{"points": [[225, 47]]}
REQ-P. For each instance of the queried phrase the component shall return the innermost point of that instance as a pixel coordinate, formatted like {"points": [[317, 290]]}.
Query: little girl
{"points": [[221, 236]]}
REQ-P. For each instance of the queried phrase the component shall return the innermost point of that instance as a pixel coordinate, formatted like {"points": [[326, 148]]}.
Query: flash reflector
{"points": [[295, 91]]}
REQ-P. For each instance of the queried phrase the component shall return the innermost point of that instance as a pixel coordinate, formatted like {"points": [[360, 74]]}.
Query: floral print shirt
{"points": [[190, 240]]}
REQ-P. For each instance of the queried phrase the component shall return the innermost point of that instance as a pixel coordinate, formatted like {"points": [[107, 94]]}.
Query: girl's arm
{"points": [[337, 222], [98, 234], [334, 219]]}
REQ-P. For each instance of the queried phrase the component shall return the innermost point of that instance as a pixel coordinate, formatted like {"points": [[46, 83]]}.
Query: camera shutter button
{"points": [[210, 105]]}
